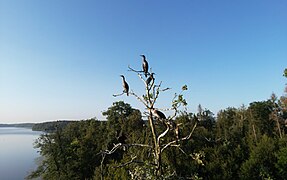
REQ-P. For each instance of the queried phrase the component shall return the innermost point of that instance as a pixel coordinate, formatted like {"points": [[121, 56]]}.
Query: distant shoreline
{"points": [[22, 125]]}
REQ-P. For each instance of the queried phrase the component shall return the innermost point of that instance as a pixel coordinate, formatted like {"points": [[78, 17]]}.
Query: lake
{"points": [[17, 155]]}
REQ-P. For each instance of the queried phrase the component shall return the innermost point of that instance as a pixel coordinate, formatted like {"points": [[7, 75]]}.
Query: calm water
{"points": [[17, 155]]}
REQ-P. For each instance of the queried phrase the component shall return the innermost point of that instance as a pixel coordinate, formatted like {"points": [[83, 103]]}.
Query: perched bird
{"points": [[125, 85], [121, 137], [158, 114], [150, 78], [145, 65]]}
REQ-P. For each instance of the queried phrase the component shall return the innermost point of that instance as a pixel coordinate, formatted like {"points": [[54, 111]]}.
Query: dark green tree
{"points": [[261, 163]]}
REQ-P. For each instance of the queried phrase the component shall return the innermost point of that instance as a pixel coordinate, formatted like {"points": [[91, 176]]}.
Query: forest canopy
{"points": [[238, 143]]}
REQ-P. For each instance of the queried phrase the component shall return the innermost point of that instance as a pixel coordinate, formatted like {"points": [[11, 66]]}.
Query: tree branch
{"points": [[156, 93], [115, 95], [140, 99], [182, 139], [119, 145], [129, 162], [135, 144], [131, 69], [163, 134]]}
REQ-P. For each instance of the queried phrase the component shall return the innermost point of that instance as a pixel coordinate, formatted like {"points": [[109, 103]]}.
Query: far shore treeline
{"points": [[22, 125], [50, 126]]}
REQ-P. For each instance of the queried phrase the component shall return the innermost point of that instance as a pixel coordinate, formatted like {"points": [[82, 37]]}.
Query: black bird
{"points": [[125, 85], [145, 65], [121, 137], [149, 79], [158, 114]]}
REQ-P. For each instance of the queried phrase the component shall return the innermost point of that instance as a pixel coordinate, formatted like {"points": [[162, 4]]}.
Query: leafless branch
{"points": [[156, 93], [127, 163], [135, 144], [130, 162], [148, 94], [140, 99], [116, 146], [141, 77], [182, 139], [165, 89], [131, 69], [163, 134], [210, 140], [115, 95], [119, 145], [178, 146]]}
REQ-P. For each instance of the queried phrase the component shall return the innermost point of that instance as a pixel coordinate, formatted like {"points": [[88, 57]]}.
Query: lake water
{"points": [[17, 155]]}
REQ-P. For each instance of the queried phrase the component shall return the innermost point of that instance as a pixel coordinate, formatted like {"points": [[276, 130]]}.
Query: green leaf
{"points": [[184, 88]]}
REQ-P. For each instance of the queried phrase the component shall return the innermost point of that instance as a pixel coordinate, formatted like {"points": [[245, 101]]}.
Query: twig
{"points": [[131, 69], [140, 99], [141, 77], [117, 146], [163, 134], [115, 95], [165, 89], [182, 151], [130, 162], [156, 94], [135, 144], [182, 139]]}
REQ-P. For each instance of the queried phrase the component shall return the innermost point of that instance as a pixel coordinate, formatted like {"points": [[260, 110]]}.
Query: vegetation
{"points": [[239, 143], [50, 126]]}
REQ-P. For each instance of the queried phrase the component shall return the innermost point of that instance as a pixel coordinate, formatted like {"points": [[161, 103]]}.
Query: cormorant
{"points": [[125, 85], [122, 138], [145, 65], [150, 78], [158, 114]]}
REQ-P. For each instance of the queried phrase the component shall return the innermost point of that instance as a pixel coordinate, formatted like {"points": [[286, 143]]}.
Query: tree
{"points": [[282, 162], [259, 120], [261, 162], [164, 130], [241, 143]]}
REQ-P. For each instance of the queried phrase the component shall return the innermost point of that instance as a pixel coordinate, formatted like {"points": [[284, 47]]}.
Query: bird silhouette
{"points": [[158, 114], [145, 65], [121, 137], [150, 78], [125, 85]]}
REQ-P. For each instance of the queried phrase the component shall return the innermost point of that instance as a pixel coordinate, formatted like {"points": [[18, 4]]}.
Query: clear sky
{"points": [[62, 59]]}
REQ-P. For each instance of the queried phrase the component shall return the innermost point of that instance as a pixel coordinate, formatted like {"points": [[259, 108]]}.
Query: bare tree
{"points": [[156, 118]]}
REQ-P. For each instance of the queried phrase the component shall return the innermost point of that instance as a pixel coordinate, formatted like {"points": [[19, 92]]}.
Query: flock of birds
{"points": [[146, 73], [158, 114]]}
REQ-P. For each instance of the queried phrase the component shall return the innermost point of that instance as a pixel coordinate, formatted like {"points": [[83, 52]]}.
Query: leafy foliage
{"points": [[239, 143]]}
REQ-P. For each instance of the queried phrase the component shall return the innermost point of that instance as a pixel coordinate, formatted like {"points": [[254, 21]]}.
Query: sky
{"points": [[62, 59]]}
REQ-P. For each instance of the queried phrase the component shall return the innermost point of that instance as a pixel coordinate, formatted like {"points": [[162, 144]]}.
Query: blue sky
{"points": [[62, 59]]}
